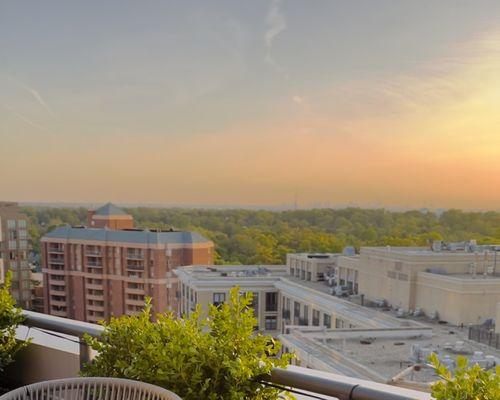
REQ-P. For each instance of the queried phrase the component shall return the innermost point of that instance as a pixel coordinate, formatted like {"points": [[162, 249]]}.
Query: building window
{"points": [[11, 224], [271, 323], [309, 276], [296, 312], [292, 271], [21, 223], [12, 244], [327, 321], [296, 308], [219, 299], [302, 274], [23, 244], [255, 303], [306, 315], [272, 301], [315, 320]]}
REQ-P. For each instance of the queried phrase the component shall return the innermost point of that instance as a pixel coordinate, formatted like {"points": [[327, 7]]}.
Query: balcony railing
{"points": [[135, 267], [94, 264], [311, 383]]}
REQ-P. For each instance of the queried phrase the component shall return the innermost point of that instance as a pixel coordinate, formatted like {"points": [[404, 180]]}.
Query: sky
{"points": [[318, 102]]}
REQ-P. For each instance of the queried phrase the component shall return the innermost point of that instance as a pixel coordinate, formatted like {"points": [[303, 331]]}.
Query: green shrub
{"points": [[468, 382], [219, 357], [10, 318]]}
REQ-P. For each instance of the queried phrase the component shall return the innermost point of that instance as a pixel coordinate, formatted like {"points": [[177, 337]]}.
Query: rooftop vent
{"points": [[436, 270], [321, 256]]}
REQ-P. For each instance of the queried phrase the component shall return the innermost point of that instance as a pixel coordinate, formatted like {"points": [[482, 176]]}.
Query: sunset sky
{"points": [[373, 103]]}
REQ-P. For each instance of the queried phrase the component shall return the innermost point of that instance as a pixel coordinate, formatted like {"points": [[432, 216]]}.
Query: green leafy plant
{"points": [[467, 382], [218, 357], [10, 318]]}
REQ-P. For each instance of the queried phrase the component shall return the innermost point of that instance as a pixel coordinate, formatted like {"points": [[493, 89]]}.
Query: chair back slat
{"points": [[90, 389]]}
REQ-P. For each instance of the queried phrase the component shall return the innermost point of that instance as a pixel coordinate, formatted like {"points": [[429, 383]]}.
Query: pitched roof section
{"points": [[109, 209], [125, 236]]}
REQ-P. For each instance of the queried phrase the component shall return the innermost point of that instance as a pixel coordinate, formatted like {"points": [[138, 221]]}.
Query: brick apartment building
{"points": [[14, 251], [109, 268]]}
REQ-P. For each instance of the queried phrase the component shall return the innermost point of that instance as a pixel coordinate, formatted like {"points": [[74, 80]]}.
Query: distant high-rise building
{"points": [[14, 249], [109, 268]]}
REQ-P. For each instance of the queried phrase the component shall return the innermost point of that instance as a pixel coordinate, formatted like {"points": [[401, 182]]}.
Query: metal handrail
{"points": [[341, 389]]}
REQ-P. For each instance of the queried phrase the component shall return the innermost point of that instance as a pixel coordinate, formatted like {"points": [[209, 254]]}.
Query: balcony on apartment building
{"points": [[135, 300], [135, 255], [135, 265], [95, 306], [56, 249], [94, 286], [94, 265], [93, 294], [56, 267], [130, 290], [93, 251], [56, 280], [54, 353], [56, 259], [57, 289]]}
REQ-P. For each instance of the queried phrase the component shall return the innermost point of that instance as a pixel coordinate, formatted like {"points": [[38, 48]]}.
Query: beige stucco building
{"points": [[457, 284], [211, 284]]}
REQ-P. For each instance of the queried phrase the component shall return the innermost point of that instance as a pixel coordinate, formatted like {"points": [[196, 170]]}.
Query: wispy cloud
{"points": [[38, 97], [276, 23], [24, 118], [34, 93]]}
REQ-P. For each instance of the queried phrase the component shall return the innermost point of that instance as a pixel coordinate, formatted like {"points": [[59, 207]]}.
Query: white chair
{"points": [[90, 389]]}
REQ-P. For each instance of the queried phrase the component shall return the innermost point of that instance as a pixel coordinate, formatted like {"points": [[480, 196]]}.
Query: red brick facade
{"points": [[91, 280]]}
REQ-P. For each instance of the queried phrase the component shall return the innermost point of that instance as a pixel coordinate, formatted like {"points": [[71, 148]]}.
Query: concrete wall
{"points": [[38, 363], [391, 274], [458, 300]]}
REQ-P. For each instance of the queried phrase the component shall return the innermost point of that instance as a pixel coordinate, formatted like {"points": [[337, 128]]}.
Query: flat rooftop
{"points": [[212, 272], [391, 356], [362, 316], [369, 355], [316, 256], [415, 251]]}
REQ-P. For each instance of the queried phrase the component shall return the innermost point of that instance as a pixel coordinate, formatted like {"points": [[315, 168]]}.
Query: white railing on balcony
{"points": [[306, 383]]}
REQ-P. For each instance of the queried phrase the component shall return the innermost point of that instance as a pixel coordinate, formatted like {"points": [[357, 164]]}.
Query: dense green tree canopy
{"points": [[264, 237]]}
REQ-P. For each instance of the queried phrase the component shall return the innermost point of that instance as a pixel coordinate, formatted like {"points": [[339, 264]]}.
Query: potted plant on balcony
{"points": [[10, 318], [467, 382], [218, 357]]}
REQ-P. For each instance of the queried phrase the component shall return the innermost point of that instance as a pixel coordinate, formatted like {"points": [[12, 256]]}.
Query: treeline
{"points": [[265, 237]]}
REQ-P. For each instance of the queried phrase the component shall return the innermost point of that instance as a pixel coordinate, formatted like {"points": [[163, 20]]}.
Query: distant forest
{"points": [[265, 237]]}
